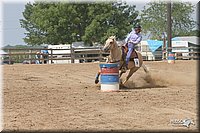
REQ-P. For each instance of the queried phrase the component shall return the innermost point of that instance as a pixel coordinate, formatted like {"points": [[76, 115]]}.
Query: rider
{"points": [[133, 38]]}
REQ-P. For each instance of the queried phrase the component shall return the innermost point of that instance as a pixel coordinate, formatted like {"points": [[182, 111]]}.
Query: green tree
{"points": [[154, 19], [110, 19], [60, 23]]}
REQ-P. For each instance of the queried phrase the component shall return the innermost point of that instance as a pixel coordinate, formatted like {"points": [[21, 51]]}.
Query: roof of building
{"points": [[190, 39]]}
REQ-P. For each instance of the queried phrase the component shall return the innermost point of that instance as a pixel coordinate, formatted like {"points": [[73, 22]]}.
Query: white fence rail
{"points": [[80, 55]]}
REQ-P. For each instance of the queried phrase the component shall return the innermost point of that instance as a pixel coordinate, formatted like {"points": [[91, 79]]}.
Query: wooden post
{"points": [[146, 53], [164, 47], [9, 56], [169, 26], [191, 54], [100, 55], [30, 58], [51, 56], [72, 54]]}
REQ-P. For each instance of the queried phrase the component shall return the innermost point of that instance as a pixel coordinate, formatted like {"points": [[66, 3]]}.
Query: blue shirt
{"points": [[133, 37]]}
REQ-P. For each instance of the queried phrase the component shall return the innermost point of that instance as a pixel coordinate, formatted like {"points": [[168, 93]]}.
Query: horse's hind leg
{"points": [[130, 74], [145, 68]]}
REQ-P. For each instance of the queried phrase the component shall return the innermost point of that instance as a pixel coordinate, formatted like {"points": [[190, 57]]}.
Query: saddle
{"points": [[134, 56], [125, 51]]}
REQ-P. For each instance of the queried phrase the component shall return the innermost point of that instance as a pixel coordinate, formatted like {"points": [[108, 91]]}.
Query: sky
{"points": [[11, 11]]}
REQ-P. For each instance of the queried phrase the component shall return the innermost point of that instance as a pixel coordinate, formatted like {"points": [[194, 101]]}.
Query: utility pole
{"points": [[169, 26]]}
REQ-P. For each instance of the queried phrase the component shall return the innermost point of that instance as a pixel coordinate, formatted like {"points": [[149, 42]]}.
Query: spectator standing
{"points": [[45, 55], [37, 57]]}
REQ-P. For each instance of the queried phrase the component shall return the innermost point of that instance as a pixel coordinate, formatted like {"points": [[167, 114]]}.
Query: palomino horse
{"points": [[116, 56]]}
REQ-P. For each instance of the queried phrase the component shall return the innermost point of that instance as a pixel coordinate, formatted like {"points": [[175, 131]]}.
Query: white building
{"points": [[185, 46], [151, 49]]}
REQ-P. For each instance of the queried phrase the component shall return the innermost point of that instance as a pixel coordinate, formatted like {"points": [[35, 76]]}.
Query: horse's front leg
{"points": [[97, 77], [121, 71], [120, 74], [145, 68]]}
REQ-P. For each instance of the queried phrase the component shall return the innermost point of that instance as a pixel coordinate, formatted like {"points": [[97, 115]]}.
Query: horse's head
{"points": [[110, 44]]}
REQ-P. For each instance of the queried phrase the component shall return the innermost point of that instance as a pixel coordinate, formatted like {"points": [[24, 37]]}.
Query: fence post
{"points": [[51, 56], [9, 56], [72, 54], [146, 53], [163, 53], [30, 58], [192, 53], [100, 54]]}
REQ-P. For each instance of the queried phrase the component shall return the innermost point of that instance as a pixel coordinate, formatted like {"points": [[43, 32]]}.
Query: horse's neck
{"points": [[115, 54]]}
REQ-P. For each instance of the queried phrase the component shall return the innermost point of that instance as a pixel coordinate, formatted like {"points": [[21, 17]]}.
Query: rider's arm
{"points": [[127, 38], [135, 40]]}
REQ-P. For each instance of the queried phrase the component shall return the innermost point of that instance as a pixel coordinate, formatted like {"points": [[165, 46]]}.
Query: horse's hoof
{"points": [[96, 81], [122, 86]]}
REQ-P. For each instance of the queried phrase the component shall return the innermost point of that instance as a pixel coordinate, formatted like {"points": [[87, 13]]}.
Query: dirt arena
{"points": [[64, 97]]}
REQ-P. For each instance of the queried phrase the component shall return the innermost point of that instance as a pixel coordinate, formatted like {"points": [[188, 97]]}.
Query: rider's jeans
{"points": [[131, 48]]}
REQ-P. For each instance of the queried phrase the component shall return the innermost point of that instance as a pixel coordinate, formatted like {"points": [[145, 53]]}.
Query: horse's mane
{"points": [[112, 37]]}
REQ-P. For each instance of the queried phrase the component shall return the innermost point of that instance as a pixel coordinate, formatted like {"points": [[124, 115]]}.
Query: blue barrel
{"points": [[109, 77], [171, 57]]}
